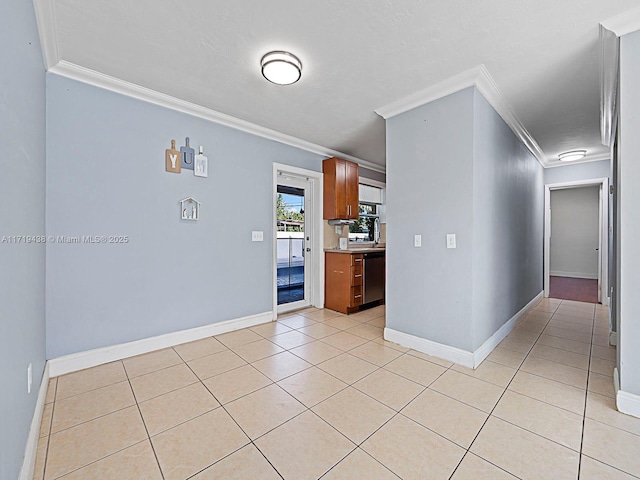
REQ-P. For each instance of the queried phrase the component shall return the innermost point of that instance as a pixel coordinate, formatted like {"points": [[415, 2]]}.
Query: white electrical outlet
{"points": [[29, 378], [257, 236], [417, 240], [451, 240]]}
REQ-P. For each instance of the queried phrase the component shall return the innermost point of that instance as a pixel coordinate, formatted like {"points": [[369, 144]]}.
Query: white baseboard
{"points": [[440, 350], [628, 403], [91, 358], [492, 342], [613, 338], [590, 276], [457, 355], [31, 449]]}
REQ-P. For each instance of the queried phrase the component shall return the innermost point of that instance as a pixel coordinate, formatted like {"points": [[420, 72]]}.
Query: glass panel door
{"points": [[293, 243]]}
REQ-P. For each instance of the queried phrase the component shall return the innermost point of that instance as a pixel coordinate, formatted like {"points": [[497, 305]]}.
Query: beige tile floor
{"points": [[319, 394]]}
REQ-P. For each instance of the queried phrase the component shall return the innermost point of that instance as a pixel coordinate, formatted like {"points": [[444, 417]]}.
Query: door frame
{"points": [[603, 232], [317, 234]]}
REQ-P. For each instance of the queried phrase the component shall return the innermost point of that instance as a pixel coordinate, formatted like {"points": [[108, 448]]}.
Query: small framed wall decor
{"points": [[201, 167], [189, 209]]}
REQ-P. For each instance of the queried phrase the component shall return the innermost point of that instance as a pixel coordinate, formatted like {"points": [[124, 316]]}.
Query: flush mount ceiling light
{"points": [[572, 156], [281, 68]]}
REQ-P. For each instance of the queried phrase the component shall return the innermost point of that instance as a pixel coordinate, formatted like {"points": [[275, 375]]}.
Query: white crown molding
{"points": [[624, 23], [490, 90], [609, 66], [596, 157], [46, 20], [451, 85], [91, 77], [480, 78]]}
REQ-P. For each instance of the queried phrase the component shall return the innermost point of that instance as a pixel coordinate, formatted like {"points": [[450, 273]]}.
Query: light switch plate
{"points": [[451, 240], [417, 240], [257, 236]]}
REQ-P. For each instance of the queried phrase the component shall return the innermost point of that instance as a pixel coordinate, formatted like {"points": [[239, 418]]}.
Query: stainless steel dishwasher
{"points": [[374, 272]]}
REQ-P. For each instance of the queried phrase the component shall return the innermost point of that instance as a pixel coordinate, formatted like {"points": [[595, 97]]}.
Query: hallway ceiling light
{"points": [[281, 68], [572, 156]]}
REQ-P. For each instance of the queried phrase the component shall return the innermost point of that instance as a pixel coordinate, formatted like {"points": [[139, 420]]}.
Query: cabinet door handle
{"points": [[357, 296], [356, 276], [357, 259]]}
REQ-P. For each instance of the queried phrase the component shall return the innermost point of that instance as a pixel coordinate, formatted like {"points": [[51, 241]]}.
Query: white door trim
{"points": [[317, 233], [603, 237]]}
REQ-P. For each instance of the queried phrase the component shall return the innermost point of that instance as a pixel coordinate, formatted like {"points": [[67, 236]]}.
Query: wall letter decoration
{"points": [[187, 154], [201, 164], [172, 158]]}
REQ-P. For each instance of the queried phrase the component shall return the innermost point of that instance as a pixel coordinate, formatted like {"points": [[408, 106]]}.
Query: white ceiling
{"points": [[357, 55]]}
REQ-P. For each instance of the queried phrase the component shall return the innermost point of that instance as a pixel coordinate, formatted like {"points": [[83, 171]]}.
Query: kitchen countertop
{"points": [[356, 250]]}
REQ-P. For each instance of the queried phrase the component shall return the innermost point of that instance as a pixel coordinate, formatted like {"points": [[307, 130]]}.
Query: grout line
{"points": [[135, 399], [586, 396], [370, 456], [485, 460], [396, 413], [612, 466], [46, 450], [268, 461], [468, 450], [251, 442], [92, 389], [100, 459]]}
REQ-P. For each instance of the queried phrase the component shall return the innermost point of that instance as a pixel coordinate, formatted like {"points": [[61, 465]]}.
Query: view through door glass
{"points": [[290, 244]]}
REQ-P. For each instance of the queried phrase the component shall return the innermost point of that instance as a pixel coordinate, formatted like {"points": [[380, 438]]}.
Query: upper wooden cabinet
{"points": [[341, 180]]}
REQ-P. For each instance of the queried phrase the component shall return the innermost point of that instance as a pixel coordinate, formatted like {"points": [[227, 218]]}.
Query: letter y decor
{"points": [[172, 159]]}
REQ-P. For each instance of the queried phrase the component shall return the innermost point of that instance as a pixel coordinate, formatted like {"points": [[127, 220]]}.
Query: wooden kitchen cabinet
{"points": [[341, 183], [343, 281]]}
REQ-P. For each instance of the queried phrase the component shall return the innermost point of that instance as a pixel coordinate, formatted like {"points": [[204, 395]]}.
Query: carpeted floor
{"points": [[578, 289]]}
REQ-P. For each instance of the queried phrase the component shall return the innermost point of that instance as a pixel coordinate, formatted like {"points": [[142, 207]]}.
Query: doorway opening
{"points": [[290, 239], [576, 234], [298, 266]]}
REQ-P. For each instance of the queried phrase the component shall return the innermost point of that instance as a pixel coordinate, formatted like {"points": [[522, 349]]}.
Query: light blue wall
{"points": [[105, 176], [22, 212], [581, 171], [508, 208], [629, 215], [454, 166], [429, 192]]}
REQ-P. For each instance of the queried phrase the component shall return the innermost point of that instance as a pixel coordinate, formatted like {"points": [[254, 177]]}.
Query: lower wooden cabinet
{"points": [[343, 277]]}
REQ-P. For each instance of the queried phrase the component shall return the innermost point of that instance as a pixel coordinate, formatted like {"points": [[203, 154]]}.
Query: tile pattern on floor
{"points": [[320, 394]]}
